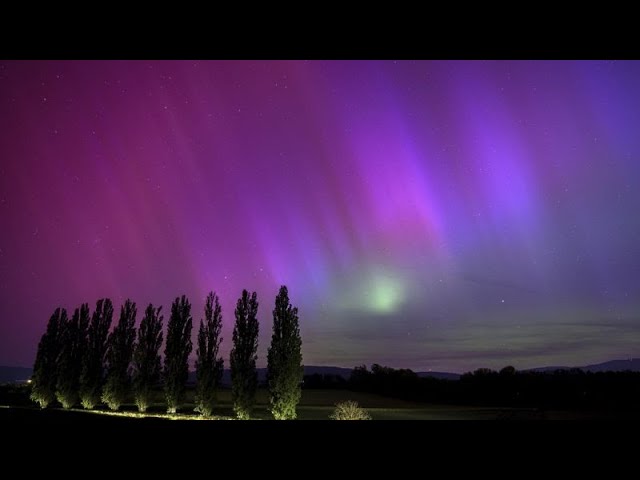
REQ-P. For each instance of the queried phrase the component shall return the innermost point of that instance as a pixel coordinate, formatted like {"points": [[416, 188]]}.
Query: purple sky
{"points": [[429, 215]]}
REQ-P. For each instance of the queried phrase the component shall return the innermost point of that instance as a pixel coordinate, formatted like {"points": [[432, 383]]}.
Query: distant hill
{"points": [[22, 374], [440, 375], [14, 374], [340, 371], [262, 373], [322, 370], [546, 369], [632, 364]]}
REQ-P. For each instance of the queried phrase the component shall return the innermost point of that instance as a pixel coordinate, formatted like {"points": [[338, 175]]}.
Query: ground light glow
{"points": [[164, 416]]}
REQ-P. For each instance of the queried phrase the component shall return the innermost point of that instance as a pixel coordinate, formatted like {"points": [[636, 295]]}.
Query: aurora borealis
{"points": [[443, 215]]}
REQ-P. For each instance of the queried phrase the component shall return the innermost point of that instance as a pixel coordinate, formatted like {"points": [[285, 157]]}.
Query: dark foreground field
{"points": [[314, 405], [26, 429]]}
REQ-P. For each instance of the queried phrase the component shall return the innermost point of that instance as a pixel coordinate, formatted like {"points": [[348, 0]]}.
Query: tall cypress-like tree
{"points": [[284, 359], [208, 365], [119, 353], [176, 353], [92, 376], [43, 380], [146, 357], [244, 377], [73, 348]]}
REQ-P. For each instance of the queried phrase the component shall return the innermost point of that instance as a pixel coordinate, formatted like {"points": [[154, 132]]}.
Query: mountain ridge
{"points": [[10, 374]]}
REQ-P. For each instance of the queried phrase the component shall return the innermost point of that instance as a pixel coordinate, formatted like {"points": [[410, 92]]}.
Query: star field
{"points": [[427, 215]]}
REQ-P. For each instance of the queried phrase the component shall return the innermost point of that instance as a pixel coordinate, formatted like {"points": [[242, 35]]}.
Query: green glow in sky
{"points": [[377, 290], [386, 294]]}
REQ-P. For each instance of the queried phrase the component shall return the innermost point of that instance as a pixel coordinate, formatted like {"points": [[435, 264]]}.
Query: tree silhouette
{"points": [[508, 371], [43, 381], [284, 359], [176, 353], [244, 377], [208, 365], [73, 350], [93, 367], [146, 357], [119, 353]]}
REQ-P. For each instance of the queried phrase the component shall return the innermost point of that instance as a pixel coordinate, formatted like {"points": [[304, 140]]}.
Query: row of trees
{"points": [[79, 361]]}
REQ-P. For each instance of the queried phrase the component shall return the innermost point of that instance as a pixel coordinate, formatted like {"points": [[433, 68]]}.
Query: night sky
{"points": [[427, 215]]}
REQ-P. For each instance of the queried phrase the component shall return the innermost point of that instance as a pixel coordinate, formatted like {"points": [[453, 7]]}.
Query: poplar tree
{"points": [[43, 380], [146, 357], [72, 353], [92, 377], [209, 365], [176, 353], [284, 359], [244, 376], [119, 353]]}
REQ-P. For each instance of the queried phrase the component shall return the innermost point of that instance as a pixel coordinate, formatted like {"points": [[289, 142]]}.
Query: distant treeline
{"points": [[325, 381], [572, 389]]}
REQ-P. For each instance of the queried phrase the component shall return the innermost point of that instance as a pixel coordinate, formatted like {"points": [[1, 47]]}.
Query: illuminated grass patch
{"points": [[164, 416]]}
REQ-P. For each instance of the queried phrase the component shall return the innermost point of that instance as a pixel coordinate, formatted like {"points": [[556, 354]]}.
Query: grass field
{"points": [[319, 404]]}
